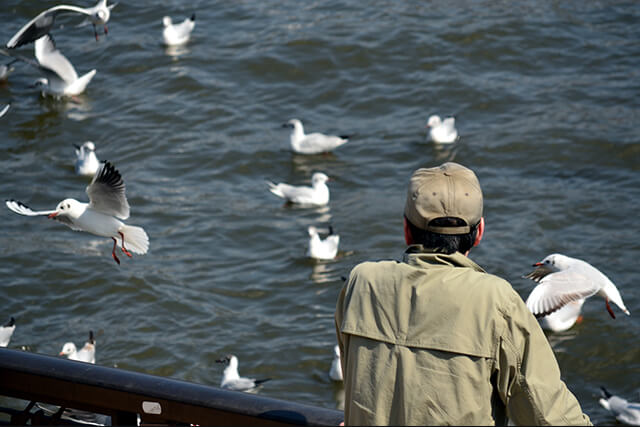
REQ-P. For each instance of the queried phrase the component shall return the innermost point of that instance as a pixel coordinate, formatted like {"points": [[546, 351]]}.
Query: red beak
{"points": [[537, 264], [52, 215]]}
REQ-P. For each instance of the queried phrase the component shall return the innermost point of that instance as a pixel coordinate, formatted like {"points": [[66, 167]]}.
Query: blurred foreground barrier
{"points": [[129, 398]]}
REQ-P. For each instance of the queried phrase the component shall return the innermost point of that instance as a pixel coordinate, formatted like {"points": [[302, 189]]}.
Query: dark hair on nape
{"points": [[444, 243]]}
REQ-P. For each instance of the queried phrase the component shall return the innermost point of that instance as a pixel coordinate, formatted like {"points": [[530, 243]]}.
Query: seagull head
{"points": [[434, 121], [230, 360], [89, 146], [293, 124], [318, 178], [67, 349], [554, 262], [69, 208], [312, 231]]}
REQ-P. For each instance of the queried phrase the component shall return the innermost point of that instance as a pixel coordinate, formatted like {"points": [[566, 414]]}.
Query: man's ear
{"points": [[408, 238], [480, 232]]}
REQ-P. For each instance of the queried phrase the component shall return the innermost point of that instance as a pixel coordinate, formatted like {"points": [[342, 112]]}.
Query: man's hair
{"points": [[444, 243]]}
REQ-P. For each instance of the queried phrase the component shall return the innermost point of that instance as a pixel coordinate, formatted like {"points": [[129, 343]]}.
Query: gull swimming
{"points": [[322, 249], [107, 201], [177, 34], [442, 131], [317, 194], [85, 354], [87, 163], [624, 411], [335, 373], [6, 332], [42, 24], [231, 380], [562, 279], [313, 143]]}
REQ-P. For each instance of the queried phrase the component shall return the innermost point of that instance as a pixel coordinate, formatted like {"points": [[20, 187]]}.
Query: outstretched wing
{"points": [[50, 59], [107, 192], [557, 289], [40, 25], [22, 209]]}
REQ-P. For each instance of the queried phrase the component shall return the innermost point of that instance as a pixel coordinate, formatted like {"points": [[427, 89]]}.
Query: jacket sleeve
{"points": [[528, 375]]}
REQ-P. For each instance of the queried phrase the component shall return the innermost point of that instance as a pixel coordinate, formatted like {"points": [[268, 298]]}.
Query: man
{"points": [[436, 340]]}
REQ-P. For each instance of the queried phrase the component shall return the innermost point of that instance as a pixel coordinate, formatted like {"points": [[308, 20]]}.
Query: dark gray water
{"points": [[546, 98]]}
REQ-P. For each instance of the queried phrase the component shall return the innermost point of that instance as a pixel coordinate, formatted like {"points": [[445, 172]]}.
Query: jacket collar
{"points": [[419, 256]]}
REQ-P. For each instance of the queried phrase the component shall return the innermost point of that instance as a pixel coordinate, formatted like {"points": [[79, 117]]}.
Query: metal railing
{"points": [[130, 398]]}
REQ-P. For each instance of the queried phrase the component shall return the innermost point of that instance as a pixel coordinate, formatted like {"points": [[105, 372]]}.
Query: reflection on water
{"points": [[559, 339], [445, 152], [175, 52]]}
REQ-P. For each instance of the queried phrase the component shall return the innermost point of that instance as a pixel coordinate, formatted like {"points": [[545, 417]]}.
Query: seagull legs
{"points": [[95, 31], [127, 253], [609, 309], [113, 252]]}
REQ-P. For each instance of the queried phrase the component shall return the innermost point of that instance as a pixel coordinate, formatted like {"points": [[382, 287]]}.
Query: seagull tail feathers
{"points": [[135, 239], [274, 189], [258, 382], [605, 393]]}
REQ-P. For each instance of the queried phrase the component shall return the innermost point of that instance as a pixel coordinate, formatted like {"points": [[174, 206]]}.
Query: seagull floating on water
{"points": [[42, 24], [107, 201], [562, 279], [322, 249], [6, 332], [177, 34], [317, 194], [87, 163], [440, 131], [231, 380], [624, 411], [85, 354], [335, 373], [313, 143]]}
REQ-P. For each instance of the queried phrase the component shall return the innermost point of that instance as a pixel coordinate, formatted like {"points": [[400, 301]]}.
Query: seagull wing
{"points": [[40, 25], [539, 272], [449, 123], [50, 59], [22, 209], [107, 192], [557, 289]]}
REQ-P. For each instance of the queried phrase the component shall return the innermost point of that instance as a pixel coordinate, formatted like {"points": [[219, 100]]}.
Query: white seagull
{"points": [[317, 194], [4, 110], [177, 34], [231, 380], [335, 373], [562, 279], [312, 143], [624, 411], [322, 249], [107, 201], [42, 24], [442, 131], [87, 163], [85, 354], [6, 332]]}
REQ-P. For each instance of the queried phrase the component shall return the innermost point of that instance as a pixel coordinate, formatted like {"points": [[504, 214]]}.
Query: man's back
{"points": [[436, 340]]}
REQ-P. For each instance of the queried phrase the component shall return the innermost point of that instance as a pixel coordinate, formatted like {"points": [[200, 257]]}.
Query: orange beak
{"points": [[52, 215]]}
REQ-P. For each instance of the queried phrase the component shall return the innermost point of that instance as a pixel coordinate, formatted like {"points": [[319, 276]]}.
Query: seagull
{"points": [[4, 110], [6, 332], [317, 194], [231, 380], [562, 279], [322, 249], [313, 143], [85, 354], [442, 131], [42, 24], [107, 201], [177, 34], [87, 163], [335, 373], [626, 412]]}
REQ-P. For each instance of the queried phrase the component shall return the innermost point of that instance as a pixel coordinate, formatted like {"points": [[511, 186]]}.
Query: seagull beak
{"points": [[52, 215], [61, 354], [537, 264]]}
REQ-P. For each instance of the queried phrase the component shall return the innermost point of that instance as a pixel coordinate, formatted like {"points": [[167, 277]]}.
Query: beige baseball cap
{"points": [[449, 190]]}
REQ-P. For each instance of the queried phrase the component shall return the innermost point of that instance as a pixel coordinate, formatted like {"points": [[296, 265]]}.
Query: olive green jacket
{"points": [[435, 340]]}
